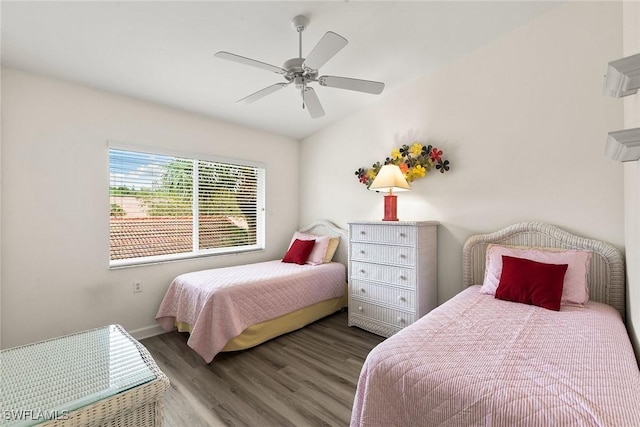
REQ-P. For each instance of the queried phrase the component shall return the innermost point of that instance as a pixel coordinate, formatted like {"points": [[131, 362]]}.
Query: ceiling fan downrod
{"points": [[300, 22]]}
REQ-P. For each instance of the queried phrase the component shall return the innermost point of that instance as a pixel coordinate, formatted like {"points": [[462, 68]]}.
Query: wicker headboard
{"points": [[327, 228], [606, 271]]}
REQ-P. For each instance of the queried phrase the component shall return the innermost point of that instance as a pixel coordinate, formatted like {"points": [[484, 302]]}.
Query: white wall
{"points": [[523, 121], [0, 209], [55, 220], [631, 26]]}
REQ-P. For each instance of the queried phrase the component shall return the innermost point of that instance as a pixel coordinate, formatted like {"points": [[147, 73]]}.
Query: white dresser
{"points": [[392, 273]]}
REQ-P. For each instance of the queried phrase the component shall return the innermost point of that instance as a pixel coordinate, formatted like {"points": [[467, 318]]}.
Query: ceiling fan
{"points": [[303, 71]]}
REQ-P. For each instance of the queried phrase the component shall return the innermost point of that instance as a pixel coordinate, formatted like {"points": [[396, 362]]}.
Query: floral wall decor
{"points": [[415, 161]]}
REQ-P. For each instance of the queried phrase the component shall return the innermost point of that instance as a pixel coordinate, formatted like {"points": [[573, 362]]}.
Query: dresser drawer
{"points": [[376, 313], [395, 234], [397, 297], [399, 255], [399, 276]]}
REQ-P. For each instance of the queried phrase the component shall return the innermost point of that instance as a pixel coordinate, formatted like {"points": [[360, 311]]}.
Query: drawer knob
{"points": [[401, 320], [360, 308], [403, 278], [402, 256], [362, 251], [403, 235], [400, 298], [363, 290], [363, 232], [362, 271]]}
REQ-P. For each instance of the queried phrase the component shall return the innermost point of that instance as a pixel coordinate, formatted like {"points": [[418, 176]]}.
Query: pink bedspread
{"points": [[222, 302], [479, 361]]}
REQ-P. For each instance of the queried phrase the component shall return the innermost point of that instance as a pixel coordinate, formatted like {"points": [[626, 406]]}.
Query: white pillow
{"points": [[319, 251], [574, 290]]}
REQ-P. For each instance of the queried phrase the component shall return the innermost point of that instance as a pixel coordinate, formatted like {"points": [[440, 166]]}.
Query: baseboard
{"points": [[148, 332]]}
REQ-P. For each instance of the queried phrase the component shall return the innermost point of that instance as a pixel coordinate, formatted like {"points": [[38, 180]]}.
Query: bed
{"points": [[235, 308], [479, 360]]}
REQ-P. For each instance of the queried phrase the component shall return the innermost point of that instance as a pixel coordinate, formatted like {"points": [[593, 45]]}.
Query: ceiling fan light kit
{"points": [[303, 71]]}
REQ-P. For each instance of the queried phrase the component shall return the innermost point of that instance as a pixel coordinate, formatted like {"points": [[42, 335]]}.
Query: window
{"points": [[166, 207]]}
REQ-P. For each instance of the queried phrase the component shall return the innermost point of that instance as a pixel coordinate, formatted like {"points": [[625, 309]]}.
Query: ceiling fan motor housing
{"points": [[297, 73]]}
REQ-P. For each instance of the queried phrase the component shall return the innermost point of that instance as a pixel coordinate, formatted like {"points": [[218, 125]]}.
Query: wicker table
{"points": [[101, 377]]}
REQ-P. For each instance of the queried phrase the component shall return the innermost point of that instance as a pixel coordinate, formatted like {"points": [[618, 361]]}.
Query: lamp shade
{"points": [[390, 178]]}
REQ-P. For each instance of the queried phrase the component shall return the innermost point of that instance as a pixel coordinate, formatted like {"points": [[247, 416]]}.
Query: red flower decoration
{"points": [[403, 167], [363, 178], [436, 155]]}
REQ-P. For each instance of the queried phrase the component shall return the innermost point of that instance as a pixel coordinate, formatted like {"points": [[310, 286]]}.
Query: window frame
{"points": [[195, 253]]}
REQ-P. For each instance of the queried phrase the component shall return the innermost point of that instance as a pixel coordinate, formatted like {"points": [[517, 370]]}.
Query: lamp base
{"points": [[390, 207]]}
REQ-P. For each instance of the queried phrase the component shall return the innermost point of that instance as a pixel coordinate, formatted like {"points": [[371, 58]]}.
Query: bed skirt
{"points": [[269, 329]]}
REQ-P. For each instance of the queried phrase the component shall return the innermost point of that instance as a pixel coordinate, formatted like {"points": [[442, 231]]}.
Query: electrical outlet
{"points": [[137, 286]]}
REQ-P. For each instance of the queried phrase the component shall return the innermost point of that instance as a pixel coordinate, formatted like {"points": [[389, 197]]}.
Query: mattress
{"points": [[219, 304], [477, 360]]}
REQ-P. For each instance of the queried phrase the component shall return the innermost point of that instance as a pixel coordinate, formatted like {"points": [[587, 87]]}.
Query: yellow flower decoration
{"points": [[371, 174], [416, 149], [419, 171], [395, 154], [409, 175]]}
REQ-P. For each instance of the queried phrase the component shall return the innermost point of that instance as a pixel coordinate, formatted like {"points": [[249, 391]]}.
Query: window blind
{"points": [[167, 207]]}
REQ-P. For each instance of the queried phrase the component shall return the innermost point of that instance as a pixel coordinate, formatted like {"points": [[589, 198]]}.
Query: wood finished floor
{"points": [[305, 378]]}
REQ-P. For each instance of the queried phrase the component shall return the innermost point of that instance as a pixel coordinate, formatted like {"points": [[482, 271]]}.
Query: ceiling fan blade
{"points": [[367, 86], [262, 93], [329, 45], [247, 61], [312, 103]]}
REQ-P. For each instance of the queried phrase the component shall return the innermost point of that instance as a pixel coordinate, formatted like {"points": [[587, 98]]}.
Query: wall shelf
{"points": [[623, 79], [623, 76], [623, 145]]}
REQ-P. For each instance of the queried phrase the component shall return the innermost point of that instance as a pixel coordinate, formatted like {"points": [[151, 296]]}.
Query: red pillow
{"points": [[531, 282], [299, 251]]}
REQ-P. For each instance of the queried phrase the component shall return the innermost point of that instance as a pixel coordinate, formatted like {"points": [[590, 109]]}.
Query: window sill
{"points": [[164, 259]]}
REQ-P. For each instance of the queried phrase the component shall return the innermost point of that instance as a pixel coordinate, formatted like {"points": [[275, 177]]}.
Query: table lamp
{"points": [[390, 178]]}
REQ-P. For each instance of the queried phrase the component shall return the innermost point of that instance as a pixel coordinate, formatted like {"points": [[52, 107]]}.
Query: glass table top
{"points": [[48, 379]]}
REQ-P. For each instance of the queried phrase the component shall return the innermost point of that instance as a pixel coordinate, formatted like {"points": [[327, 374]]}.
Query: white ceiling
{"points": [[162, 51]]}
